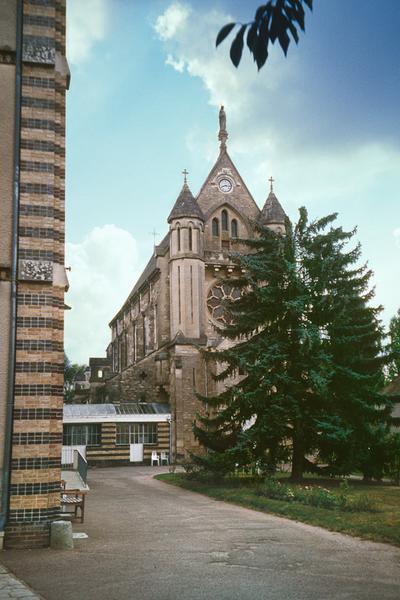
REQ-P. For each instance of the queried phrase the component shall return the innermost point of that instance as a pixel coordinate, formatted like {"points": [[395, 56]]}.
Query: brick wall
{"points": [[37, 427]]}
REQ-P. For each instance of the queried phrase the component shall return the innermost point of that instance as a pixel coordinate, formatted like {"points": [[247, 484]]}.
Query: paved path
{"points": [[13, 589], [151, 541]]}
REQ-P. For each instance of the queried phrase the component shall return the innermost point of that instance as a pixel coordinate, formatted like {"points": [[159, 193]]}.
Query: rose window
{"points": [[215, 300]]}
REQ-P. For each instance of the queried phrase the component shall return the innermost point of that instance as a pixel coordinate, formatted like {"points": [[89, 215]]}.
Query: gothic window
{"points": [[220, 293], [234, 228], [215, 227], [134, 345], [179, 238], [224, 220], [190, 239]]}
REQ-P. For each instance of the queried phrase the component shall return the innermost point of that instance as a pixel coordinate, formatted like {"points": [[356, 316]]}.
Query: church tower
{"points": [[186, 271]]}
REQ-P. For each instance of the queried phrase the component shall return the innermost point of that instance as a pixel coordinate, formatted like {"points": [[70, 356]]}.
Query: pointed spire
{"points": [[272, 212], [223, 134], [185, 205]]}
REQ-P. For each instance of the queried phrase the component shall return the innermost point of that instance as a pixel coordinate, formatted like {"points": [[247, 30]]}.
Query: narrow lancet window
{"points": [[215, 227], [179, 238], [234, 228], [190, 239], [224, 220]]}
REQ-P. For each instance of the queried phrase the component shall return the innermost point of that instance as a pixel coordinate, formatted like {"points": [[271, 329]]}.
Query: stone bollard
{"points": [[61, 535]]}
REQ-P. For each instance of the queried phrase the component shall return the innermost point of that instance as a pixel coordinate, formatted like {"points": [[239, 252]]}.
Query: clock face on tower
{"points": [[225, 185]]}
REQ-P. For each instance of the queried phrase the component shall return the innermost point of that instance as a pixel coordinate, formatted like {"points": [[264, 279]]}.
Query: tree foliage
{"points": [[71, 370], [310, 348], [394, 346], [276, 20]]}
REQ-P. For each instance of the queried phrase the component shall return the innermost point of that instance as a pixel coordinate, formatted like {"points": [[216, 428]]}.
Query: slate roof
{"points": [[110, 410], [185, 206], [272, 211]]}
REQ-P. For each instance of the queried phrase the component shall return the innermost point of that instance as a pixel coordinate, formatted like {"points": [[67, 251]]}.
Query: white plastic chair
{"points": [[155, 458], [165, 458]]}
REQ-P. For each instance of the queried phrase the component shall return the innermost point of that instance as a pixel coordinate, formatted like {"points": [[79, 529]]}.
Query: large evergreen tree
{"points": [[394, 346], [304, 300]]}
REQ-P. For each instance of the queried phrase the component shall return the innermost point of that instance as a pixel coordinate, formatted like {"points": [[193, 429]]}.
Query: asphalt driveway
{"points": [[151, 541]]}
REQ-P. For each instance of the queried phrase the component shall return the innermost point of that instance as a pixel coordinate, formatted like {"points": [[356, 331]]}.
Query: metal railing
{"points": [[72, 460], [82, 466]]}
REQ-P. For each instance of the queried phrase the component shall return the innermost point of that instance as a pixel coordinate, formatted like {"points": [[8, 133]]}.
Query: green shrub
{"points": [[316, 496]]}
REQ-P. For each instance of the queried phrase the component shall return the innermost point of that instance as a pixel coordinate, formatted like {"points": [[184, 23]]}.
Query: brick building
{"points": [[173, 308], [34, 76]]}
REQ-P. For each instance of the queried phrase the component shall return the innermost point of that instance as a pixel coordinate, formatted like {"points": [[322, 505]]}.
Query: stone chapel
{"points": [[174, 306]]}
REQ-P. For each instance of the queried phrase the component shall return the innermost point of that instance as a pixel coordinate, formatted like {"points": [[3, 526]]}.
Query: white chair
{"points": [[155, 458], [165, 458]]}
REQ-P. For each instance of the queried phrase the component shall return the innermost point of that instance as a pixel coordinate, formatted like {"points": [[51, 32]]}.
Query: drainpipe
{"points": [[14, 266]]}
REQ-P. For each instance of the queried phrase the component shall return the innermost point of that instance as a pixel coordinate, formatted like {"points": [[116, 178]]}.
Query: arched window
{"points": [[224, 220], [179, 238], [215, 227], [234, 228], [190, 239]]}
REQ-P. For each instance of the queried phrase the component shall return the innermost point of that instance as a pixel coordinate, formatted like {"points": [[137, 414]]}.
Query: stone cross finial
{"points": [[223, 134], [154, 233], [271, 181], [185, 173]]}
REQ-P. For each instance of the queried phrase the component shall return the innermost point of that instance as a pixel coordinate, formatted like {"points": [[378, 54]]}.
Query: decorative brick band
{"points": [[33, 210], [34, 514], [39, 367], [27, 535], [40, 145], [41, 82], [49, 3], [60, 150], [40, 300], [40, 21], [44, 233], [42, 414], [36, 167], [30, 254], [44, 103], [29, 464], [42, 322], [38, 124], [36, 437], [36, 188], [39, 345], [29, 489], [38, 389]]}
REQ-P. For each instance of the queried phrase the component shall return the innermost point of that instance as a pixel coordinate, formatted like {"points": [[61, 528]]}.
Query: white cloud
{"points": [[178, 65], [172, 21], [86, 24], [190, 43], [104, 267], [396, 234]]}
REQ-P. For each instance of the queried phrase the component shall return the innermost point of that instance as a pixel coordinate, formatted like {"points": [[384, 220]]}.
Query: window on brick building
{"points": [[82, 435], [136, 433]]}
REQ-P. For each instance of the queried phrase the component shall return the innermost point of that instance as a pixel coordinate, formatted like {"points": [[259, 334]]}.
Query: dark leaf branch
{"points": [[272, 21]]}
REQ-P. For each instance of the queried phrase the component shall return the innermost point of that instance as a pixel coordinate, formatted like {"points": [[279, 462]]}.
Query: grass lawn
{"points": [[383, 525]]}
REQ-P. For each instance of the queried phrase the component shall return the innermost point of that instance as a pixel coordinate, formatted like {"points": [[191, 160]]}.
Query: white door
{"points": [[136, 452]]}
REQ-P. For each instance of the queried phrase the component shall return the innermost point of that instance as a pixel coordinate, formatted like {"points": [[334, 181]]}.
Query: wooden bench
{"points": [[76, 500]]}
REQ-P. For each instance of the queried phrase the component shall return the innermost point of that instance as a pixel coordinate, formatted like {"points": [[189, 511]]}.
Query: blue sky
{"points": [[146, 85]]}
